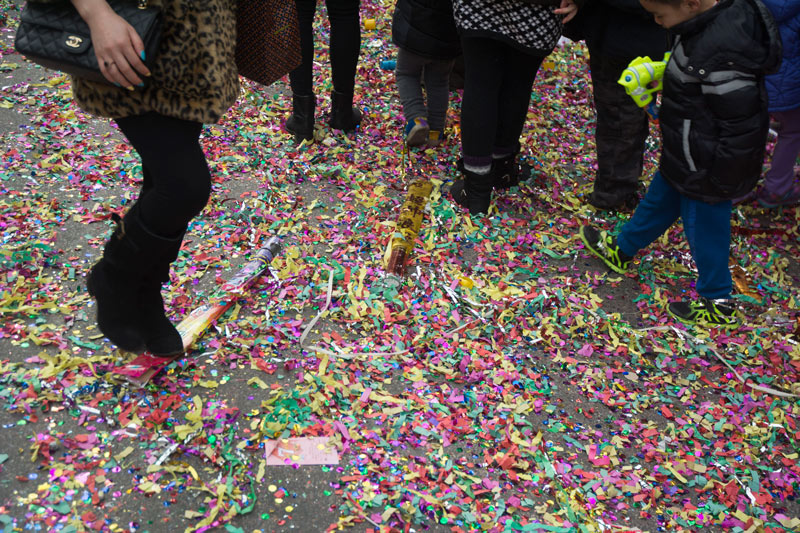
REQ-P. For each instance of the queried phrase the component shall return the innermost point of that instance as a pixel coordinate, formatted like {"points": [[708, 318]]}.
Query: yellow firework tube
{"points": [[408, 223]]}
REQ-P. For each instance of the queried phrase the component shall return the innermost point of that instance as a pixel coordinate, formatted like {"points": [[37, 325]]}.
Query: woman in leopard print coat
{"points": [[193, 81]]}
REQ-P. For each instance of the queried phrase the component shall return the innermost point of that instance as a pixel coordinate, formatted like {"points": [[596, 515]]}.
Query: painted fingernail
{"points": [[142, 55], [141, 85], [117, 84], [130, 88]]}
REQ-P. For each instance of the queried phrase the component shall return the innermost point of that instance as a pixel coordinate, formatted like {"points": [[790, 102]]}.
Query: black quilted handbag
{"points": [[55, 36]]}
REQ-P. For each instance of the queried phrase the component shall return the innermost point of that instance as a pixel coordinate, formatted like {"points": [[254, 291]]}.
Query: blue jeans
{"points": [[707, 228]]}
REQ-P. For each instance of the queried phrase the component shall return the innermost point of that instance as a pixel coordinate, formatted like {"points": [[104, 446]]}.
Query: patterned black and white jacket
{"points": [[529, 27]]}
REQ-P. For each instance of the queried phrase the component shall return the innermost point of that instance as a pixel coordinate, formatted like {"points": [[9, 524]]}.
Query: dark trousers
{"points": [[707, 228], [177, 181], [497, 92], [411, 70], [621, 131], [345, 44]]}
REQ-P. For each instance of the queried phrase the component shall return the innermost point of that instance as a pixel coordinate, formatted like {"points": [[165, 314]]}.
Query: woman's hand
{"points": [[568, 8], [119, 49]]}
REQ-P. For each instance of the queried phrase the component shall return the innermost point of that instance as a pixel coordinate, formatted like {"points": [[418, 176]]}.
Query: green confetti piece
{"points": [[62, 508], [84, 344]]}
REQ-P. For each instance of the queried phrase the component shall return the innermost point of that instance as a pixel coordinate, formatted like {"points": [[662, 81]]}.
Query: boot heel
{"points": [[161, 337]]}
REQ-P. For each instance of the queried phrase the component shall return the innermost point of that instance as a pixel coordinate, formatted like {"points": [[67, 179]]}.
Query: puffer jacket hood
{"points": [[734, 31], [714, 118]]}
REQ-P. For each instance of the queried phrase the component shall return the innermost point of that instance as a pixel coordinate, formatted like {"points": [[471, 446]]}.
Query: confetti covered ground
{"points": [[509, 383]]}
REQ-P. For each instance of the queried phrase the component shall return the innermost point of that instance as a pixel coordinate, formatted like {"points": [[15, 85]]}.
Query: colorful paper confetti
{"points": [[509, 383]]}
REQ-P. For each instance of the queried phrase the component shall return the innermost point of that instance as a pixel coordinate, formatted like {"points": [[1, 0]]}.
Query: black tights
{"points": [[497, 92], [177, 182], [345, 44]]}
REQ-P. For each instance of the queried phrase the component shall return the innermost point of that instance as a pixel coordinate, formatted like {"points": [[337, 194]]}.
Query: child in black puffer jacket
{"points": [[714, 125], [428, 43]]}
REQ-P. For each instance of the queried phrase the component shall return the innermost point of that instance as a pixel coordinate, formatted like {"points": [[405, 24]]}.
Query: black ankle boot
{"points": [[161, 338], [343, 115], [113, 283], [127, 286], [508, 172], [473, 192], [301, 122]]}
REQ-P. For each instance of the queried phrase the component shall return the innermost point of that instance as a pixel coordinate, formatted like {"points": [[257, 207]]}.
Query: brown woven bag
{"points": [[267, 39]]}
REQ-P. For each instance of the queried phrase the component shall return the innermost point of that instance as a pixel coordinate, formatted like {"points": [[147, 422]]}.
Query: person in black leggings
{"points": [[345, 44], [176, 186], [497, 73], [191, 82], [504, 44]]}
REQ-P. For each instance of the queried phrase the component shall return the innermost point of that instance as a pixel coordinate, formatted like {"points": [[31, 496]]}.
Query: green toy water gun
{"points": [[643, 79]]}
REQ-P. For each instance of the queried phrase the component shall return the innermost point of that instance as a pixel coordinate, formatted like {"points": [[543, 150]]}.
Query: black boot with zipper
{"points": [[507, 172], [114, 283], [301, 122], [473, 192]]}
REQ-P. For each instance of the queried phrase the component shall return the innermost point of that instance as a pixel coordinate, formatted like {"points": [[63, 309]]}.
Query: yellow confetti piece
{"points": [[675, 473], [123, 454], [148, 487], [792, 524], [258, 382], [261, 468]]}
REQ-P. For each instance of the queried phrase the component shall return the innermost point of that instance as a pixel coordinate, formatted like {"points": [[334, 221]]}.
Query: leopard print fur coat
{"points": [[194, 76]]}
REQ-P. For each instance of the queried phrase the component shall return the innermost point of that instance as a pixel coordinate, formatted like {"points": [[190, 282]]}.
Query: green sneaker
{"points": [[704, 312], [604, 246]]}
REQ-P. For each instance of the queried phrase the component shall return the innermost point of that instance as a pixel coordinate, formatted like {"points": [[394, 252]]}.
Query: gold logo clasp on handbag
{"points": [[73, 41], [142, 4]]}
